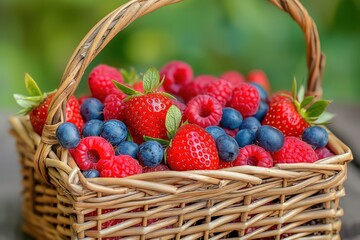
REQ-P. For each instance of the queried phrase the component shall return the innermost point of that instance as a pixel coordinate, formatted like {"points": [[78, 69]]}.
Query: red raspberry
{"points": [[158, 168], [323, 153], [295, 151], [254, 155], [177, 74], [223, 164], [90, 151], [100, 81], [119, 166], [204, 111], [196, 87], [245, 99], [233, 77], [231, 133], [259, 77], [221, 90], [114, 107]]}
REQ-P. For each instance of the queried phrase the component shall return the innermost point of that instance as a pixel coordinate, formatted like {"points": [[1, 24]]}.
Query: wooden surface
{"points": [[345, 126]]}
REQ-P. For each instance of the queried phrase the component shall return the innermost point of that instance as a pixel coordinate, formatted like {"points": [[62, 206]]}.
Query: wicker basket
{"points": [[297, 201]]}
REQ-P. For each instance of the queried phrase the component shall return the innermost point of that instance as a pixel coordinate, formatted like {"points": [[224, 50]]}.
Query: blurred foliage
{"points": [[39, 37]]}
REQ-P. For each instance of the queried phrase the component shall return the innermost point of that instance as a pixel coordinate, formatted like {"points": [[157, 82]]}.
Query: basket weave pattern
{"points": [[288, 201]]}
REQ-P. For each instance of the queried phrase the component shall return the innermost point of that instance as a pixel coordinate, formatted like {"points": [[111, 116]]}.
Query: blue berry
{"points": [[150, 153], [92, 128], [114, 131], [127, 148], [231, 118], [68, 135], [93, 173], [245, 137], [263, 94], [262, 111], [250, 123], [92, 108], [316, 136], [227, 147], [270, 138], [215, 131]]}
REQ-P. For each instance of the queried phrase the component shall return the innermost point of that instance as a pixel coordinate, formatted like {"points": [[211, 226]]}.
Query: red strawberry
{"points": [[196, 87], [245, 99], [254, 155], [114, 107], [192, 148], [221, 90], [100, 81], [259, 77], [177, 74], [233, 77], [119, 166], [280, 96], [223, 164], [295, 151]]}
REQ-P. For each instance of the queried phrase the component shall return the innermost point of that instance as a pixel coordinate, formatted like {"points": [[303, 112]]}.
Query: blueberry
{"points": [[92, 128], [114, 131], [127, 148], [245, 137], [68, 135], [215, 131], [93, 173], [92, 108], [250, 123], [316, 136], [263, 94], [270, 138], [231, 118], [227, 147], [262, 111], [150, 153]]}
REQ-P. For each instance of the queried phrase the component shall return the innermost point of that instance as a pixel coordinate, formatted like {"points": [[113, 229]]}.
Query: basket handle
{"points": [[102, 33]]}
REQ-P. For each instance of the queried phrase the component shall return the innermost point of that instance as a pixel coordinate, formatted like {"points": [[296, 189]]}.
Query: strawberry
{"points": [[37, 105], [293, 115]]}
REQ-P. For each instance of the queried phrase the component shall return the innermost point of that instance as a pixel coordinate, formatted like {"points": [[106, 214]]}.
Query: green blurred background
{"points": [[39, 37]]}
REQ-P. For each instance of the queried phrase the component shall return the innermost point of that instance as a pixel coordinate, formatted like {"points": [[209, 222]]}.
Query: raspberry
{"points": [[119, 166], [221, 90], [90, 151], [204, 111], [295, 151], [114, 107], [196, 87], [245, 99], [158, 168], [177, 74], [323, 153], [259, 77], [231, 133], [100, 81], [233, 77], [254, 155]]}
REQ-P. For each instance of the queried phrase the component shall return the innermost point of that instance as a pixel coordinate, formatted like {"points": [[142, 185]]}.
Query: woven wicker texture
{"points": [[288, 201]]}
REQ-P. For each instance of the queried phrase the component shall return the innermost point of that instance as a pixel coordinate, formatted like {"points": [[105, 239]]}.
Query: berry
{"points": [[68, 135], [90, 151], [93, 173], [92, 108], [176, 75], [92, 128], [245, 99], [295, 151], [119, 167], [263, 94], [100, 81], [316, 136], [158, 168], [221, 90], [215, 131], [262, 111], [114, 107], [233, 77], [280, 96], [323, 153], [254, 155], [227, 147], [245, 137], [150, 153], [82, 99], [231, 133], [127, 148], [196, 87], [114, 131], [250, 123], [192, 148], [223, 164], [269, 138], [259, 77], [204, 111], [231, 118]]}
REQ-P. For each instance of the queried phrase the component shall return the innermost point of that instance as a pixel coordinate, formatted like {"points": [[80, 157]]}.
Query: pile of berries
{"points": [[173, 120]]}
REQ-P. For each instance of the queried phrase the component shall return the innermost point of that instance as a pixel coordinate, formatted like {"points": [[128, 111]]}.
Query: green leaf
{"points": [[317, 108], [28, 102], [130, 77], [159, 140], [307, 100], [173, 120], [301, 93], [151, 79], [125, 89], [324, 118], [129, 137], [31, 86], [294, 89]]}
